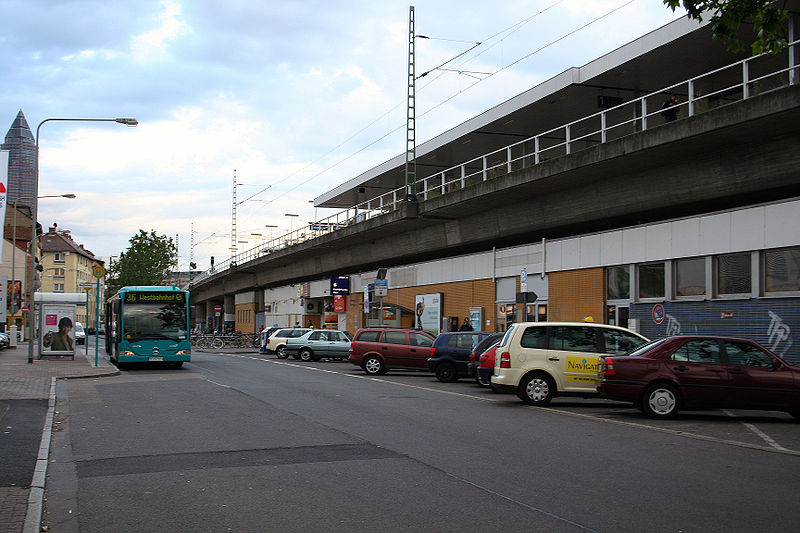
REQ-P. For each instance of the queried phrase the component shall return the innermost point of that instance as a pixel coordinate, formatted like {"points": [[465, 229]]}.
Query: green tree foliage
{"points": [[147, 261], [766, 16]]}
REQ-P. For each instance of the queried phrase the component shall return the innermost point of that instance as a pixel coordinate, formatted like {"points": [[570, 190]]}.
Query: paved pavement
{"points": [[21, 506]]}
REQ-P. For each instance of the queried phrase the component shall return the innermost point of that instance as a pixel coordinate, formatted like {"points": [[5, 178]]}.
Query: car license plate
{"points": [[156, 359]]}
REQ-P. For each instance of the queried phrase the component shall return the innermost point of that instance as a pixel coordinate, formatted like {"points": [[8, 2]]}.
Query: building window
{"points": [[59, 257], [690, 277], [733, 274], [58, 287], [618, 283], [782, 270], [651, 280], [60, 272]]}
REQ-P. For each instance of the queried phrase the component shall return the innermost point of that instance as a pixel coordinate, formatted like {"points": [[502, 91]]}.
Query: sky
{"points": [[292, 98]]}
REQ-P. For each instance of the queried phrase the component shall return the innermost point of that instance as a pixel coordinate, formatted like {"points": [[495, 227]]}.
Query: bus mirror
{"points": [[116, 307]]}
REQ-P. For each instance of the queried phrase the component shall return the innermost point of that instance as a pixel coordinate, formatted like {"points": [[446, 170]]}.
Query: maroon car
{"points": [[376, 350], [667, 375]]}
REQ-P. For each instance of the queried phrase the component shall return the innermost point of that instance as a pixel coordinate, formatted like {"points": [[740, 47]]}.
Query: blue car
{"points": [[449, 359], [317, 344]]}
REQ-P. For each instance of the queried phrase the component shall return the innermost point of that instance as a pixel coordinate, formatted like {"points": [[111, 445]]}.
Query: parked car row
{"points": [[539, 361]]}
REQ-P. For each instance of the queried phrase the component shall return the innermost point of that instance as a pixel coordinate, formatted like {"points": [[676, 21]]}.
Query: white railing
{"points": [[729, 84]]}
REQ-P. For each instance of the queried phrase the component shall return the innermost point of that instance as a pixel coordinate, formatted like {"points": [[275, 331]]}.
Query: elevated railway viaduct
{"points": [[735, 155]]}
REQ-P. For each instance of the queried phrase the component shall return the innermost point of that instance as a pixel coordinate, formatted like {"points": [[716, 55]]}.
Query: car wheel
{"points": [[537, 389], [661, 400], [446, 372], [306, 354], [280, 351], [374, 366]]}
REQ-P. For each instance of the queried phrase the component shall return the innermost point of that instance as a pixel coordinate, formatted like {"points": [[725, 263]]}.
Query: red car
{"points": [[376, 350], [486, 366], [666, 375]]}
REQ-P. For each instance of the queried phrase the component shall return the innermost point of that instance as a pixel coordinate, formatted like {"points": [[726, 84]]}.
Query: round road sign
{"points": [[658, 313], [98, 271]]}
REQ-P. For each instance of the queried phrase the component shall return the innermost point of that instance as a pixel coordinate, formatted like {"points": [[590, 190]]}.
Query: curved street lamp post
{"points": [[34, 211]]}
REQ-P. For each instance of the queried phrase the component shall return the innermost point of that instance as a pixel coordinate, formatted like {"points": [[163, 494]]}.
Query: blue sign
{"points": [[340, 285]]}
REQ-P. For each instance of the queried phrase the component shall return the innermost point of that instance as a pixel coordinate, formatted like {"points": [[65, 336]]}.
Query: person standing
{"points": [[466, 326]]}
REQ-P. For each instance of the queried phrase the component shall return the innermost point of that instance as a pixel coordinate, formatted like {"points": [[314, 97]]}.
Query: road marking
{"points": [[367, 378], [769, 440], [772, 448], [215, 383]]}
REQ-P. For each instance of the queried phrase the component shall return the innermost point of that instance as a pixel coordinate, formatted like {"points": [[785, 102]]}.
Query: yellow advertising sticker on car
{"points": [[579, 364]]}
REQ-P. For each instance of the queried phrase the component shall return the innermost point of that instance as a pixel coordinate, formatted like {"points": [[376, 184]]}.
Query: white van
{"points": [[541, 360], [80, 334]]}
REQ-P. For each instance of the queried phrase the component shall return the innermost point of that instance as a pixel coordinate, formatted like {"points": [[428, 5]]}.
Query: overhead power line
{"points": [[505, 32]]}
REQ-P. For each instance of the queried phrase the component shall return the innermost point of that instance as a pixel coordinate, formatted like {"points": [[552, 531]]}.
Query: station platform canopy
{"points": [[674, 52]]}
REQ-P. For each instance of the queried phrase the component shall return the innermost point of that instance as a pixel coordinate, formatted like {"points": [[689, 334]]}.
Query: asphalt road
{"points": [[246, 443]]}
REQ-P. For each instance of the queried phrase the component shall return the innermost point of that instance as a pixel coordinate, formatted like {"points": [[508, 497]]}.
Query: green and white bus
{"points": [[148, 323]]}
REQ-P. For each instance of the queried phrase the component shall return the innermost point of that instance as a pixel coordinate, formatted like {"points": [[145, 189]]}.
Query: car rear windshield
{"points": [[641, 350]]}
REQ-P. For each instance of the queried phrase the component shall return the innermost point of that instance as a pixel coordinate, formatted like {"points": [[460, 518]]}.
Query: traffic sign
{"points": [[98, 271], [381, 287], [658, 313]]}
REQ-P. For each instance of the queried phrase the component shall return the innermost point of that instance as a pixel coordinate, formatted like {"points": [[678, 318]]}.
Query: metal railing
{"points": [[729, 84]]}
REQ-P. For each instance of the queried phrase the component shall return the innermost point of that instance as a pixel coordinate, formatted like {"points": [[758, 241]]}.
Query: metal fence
{"points": [[726, 85]]}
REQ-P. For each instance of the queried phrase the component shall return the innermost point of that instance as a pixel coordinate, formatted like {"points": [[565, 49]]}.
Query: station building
{"points": [[608, 209]]}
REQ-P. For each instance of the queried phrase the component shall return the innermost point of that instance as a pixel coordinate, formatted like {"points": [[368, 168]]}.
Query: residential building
{"points": [[67, 267]]}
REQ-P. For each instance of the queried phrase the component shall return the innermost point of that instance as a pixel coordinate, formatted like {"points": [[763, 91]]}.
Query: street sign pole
{"points": [[98, 272]]}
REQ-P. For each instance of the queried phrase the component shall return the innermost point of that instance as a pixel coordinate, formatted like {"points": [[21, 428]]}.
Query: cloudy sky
{"points": [[296, 97]]}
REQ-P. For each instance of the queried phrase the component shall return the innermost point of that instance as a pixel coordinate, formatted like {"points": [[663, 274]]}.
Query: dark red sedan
{"points": [[666, 375]]}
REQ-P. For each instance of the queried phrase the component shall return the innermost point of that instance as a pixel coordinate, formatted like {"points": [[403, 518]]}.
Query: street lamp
{"points": [[14, 249], [291, 218], [130, 122]]}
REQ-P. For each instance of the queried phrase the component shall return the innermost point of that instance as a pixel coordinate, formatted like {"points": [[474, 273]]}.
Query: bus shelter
{"points": [[55, 323]]}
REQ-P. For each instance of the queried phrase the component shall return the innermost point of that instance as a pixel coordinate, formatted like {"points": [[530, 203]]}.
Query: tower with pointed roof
{"points": [[21, 147]]}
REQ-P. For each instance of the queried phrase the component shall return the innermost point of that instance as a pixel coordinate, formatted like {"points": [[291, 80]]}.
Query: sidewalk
{"points": [[20, 379], [20, 507]]}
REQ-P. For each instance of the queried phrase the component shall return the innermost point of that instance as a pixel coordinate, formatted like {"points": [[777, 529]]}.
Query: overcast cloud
{"points": [[288, 93]]}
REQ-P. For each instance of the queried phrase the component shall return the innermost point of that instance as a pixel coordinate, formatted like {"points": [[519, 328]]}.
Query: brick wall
{"points": [[457, 298], [576, 294]]}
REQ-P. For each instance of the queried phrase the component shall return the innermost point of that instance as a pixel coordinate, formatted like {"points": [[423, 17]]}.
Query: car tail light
{"points": [[484, 357], [433, 352], [505, 360], [607, 367], [472, 357]]}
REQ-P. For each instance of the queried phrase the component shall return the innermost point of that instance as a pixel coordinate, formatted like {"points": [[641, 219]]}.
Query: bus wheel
{"points": [[177, 364]]}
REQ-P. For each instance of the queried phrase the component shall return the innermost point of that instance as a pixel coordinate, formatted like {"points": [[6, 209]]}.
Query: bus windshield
{"points": [[152, 321]]}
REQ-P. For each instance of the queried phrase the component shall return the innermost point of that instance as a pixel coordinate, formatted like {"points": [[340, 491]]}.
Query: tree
{"points": [[147, 261], [766, 17]]}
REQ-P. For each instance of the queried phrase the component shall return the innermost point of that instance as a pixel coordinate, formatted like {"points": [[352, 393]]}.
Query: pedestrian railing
{"points": [[726, 85]]}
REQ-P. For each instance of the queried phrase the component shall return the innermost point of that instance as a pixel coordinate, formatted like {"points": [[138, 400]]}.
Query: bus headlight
{"points": [[126, 352], [183, 352]]}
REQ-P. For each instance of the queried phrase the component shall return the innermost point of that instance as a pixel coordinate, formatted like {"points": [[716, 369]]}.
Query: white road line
{"points": [[215, 383], [769, 440], [773, 445]]}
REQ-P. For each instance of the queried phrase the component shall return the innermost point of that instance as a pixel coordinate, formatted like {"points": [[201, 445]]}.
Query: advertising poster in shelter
{"points": [[58, 330], [428, 312]]}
